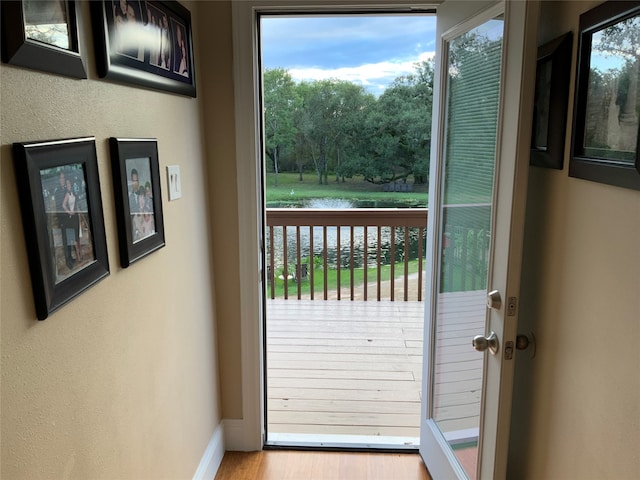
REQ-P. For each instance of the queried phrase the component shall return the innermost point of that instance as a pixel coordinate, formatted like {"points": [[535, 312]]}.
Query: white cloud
{"points": [[373, 76]]}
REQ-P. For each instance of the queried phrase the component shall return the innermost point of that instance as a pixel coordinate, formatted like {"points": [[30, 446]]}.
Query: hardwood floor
{"points": [[305, 465]]}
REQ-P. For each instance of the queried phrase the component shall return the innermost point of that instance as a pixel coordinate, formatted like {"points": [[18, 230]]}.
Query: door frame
{"points": [[248, 434]]}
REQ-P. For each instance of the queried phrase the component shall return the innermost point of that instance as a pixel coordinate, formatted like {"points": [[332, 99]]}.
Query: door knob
{"points": [[482, 343], [527, 342]]}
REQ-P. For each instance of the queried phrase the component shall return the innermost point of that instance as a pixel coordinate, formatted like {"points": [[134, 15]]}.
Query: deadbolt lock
{"points": [[494, 301]]}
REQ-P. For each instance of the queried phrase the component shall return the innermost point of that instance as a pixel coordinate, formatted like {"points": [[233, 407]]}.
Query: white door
{"points": [[479, 164]]}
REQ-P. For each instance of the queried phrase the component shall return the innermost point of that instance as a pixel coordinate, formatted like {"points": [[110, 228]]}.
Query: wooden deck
{"points": [[337, 368]]}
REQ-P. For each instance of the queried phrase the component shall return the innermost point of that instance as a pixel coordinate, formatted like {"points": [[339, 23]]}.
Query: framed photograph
{"points": [[605, 140], [43, 36], [551, 103], [136, 182], [145, 43], [62, 218]]}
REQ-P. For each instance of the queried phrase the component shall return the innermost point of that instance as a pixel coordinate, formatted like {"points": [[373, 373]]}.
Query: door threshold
{"points": [[342, 442]]}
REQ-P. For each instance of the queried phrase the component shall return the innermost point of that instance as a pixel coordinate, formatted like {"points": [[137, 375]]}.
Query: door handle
{"points": [[527, 342], [482, 343]]}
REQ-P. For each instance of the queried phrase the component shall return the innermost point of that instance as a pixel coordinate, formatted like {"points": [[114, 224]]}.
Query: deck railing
{"points": [[315, 241], [347, 253]]}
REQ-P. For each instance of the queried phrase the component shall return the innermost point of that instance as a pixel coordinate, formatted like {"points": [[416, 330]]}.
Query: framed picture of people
{"points": [[136, 182], [145, 43], [64, 229]]}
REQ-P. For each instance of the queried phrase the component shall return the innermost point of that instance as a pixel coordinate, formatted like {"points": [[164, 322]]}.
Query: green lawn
{"points": [[332, 278], [450, 282], [290, 189]]}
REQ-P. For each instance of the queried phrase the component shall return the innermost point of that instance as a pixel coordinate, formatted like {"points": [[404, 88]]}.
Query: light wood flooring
{"points": [[305, 465], [354, 368]]}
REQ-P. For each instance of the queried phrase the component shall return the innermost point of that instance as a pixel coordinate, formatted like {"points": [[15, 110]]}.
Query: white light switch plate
{"points": [[174, 182]]}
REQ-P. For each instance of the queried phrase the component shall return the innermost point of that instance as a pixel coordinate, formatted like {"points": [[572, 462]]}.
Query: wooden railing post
{"points": [[384, 221]]}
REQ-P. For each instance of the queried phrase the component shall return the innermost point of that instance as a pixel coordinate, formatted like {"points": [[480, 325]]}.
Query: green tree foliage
{"points": [[337, 127], [622, 40], [281, 106], [613, 103], [330, 113], [396, 136]]}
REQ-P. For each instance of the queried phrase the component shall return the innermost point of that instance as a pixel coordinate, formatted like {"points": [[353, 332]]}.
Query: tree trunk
{"points": [[275, 165]]}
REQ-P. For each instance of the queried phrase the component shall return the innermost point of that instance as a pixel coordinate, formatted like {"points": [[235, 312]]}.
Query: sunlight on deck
{"points": [[337, 368]]}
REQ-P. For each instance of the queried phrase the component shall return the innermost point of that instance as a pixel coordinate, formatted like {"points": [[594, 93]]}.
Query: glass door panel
{"points": [[465, 210]]}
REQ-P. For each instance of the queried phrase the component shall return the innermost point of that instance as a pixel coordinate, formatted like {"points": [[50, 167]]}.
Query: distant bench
{"points": [[397, 187]]}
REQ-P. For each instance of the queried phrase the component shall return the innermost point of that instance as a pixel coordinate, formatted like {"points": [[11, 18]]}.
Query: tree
{"points": [[353, 104], [613, 104], [340, 128], [396, 137], [281, 102], [328, 113]]}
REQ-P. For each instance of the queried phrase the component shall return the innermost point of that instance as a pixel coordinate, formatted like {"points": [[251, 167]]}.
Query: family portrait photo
{"points": [[64, 192], [136, 181], [145, 42], [61, 205], [140, 198]]}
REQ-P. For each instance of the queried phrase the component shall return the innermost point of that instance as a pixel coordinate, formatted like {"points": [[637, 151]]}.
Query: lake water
{"points": [[345, 236], [336, 203]]}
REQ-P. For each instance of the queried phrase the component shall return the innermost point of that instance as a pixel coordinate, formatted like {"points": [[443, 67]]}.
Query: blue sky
{"points": [[364, 49]]}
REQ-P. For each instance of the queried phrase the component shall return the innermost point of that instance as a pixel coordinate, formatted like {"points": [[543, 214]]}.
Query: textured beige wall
{"points": [[218, 102], [577, 403], [122, 382]]}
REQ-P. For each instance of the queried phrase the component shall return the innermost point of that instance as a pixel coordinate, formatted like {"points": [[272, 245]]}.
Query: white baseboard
{"points": [[212, 457], [235, 438]]}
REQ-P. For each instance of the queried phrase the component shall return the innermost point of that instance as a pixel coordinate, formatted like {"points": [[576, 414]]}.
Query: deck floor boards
{"points": [[354, 368]]}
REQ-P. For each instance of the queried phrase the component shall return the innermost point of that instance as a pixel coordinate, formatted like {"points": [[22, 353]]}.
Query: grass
{"points": [[332, 278], [291, 190], [450, 283]]}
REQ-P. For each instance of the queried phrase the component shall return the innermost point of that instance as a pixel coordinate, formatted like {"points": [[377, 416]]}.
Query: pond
{"points": [[339, 203], [345, 236]]}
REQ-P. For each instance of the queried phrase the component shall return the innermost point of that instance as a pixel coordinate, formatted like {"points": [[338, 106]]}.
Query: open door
{"points": [[479, 165]]}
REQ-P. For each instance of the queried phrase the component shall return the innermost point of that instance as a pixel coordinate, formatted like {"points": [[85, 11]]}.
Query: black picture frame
{"points": [[551, 103], [138, 200], [164, 58], [593, 156], [61, 205], [42, 53]]}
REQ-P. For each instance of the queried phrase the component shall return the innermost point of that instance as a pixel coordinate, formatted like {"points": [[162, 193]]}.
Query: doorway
{"points": [[522, 18], [346, 102]]}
